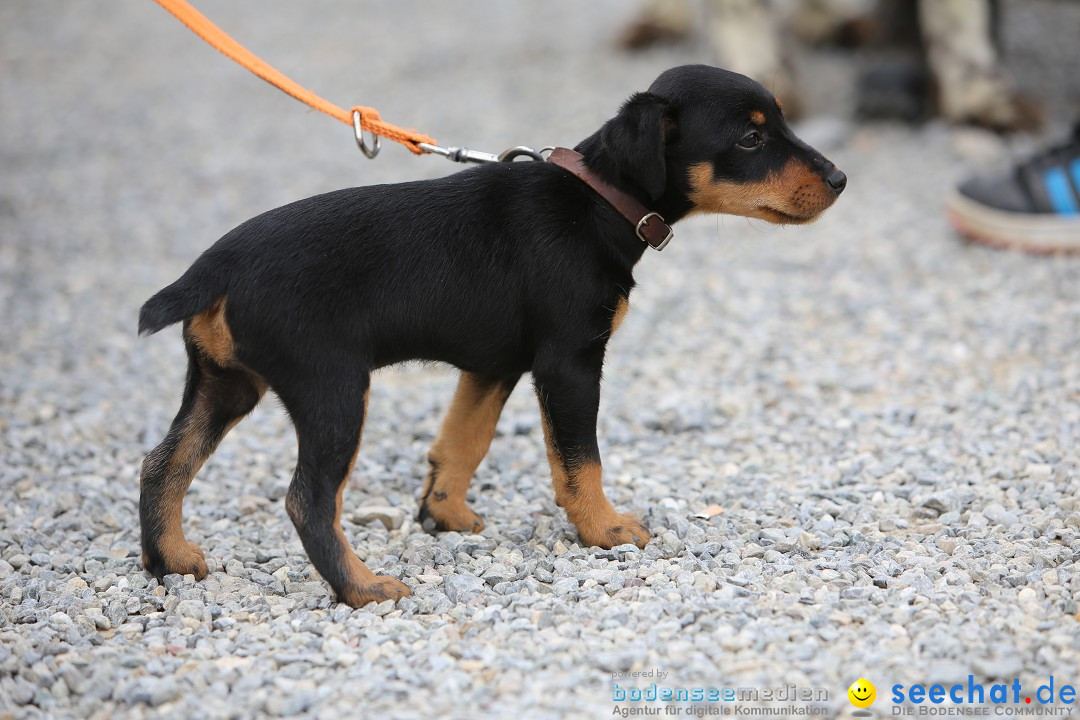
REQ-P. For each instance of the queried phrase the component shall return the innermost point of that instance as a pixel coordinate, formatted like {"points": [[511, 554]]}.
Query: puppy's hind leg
{"points": [[329, 421], [215, 399], [463, 441]]}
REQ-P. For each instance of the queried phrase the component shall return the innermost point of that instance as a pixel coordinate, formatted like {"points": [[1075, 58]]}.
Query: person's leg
{"points": [[970, 80], [746, 36], [657, 21]]}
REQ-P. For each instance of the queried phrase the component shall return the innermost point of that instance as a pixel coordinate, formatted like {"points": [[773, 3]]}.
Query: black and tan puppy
{"points": [[499, 270]]}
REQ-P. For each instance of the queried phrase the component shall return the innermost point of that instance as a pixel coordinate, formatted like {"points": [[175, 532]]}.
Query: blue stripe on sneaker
{"points": [[1074, 170], [1060, 192]]}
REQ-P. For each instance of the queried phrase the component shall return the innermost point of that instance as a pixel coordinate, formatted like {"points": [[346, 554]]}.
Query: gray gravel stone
{"points": [[462, 588], [391, 517], [998, 666]]}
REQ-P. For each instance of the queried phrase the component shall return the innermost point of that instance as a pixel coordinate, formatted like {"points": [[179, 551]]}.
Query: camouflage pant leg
{"points": [[815, 21], [656, 21], [971, 82], [746, 36]]}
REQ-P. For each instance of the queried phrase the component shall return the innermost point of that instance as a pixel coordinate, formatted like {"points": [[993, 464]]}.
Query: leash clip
{"points": [[465, 155]]}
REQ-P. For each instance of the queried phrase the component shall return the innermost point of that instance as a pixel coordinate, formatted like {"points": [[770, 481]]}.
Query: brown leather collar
{"points": [[649, 226]]}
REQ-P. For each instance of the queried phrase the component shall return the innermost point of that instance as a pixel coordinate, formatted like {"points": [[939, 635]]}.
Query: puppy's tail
{"points": [[195, 291]]}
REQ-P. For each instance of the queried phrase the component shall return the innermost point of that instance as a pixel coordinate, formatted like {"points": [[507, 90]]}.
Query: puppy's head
{"points": [[704, 139]]}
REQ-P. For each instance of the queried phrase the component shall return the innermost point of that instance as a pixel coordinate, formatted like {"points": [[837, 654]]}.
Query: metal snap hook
{"points": [[372, 151], [465, 155], [520, 151]]}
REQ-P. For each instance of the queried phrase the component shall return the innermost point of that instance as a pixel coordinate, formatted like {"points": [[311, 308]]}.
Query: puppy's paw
{"points": [[184, 558], [616, 530], [377, 590], [441, 516]]}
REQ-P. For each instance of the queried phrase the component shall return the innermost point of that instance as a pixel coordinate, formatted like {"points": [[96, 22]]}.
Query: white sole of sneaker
{"points": [[1043, 234]]}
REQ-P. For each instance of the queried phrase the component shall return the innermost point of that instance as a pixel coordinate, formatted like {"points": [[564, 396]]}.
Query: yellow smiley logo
{"points": [[862, 693]]}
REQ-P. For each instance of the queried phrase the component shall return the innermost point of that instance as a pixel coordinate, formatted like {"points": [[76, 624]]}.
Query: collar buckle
{"points": [[643, 222]]}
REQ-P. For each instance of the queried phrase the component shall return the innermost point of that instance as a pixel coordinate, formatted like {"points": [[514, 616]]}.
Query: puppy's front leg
{"points": [[568, 388]]}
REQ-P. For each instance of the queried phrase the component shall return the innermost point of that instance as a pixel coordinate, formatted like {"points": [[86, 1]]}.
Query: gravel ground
{"points": [[887, 416]]}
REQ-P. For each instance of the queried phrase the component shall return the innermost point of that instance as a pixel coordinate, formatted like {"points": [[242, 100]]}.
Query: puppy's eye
{"points": [[751, 140]]}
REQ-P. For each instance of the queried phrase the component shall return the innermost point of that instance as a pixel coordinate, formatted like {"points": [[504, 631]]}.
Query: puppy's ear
{"points": [[635, 138]]}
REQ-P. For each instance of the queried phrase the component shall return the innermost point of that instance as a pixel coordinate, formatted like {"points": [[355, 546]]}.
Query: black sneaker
{"points": [[1036, 207]]}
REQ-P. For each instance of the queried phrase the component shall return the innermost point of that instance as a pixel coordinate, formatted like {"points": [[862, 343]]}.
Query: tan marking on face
{"points": [[779, 106], [622, 306], [463, 441], [757, 117], [211, 333], [792, 196]]}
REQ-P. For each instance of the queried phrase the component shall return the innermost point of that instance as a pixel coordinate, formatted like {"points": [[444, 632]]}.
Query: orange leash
{"points": [[368, 118]]}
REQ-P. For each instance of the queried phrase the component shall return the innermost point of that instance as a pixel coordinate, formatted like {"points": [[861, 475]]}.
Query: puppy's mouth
{"points": [[803, 205], [779, 217]]}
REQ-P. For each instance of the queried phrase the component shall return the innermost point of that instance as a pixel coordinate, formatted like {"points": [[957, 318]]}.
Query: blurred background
{"points": [[128, 145]]}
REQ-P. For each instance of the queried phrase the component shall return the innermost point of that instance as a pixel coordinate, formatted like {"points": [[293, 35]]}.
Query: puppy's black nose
{"points": [[837, 180]]}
